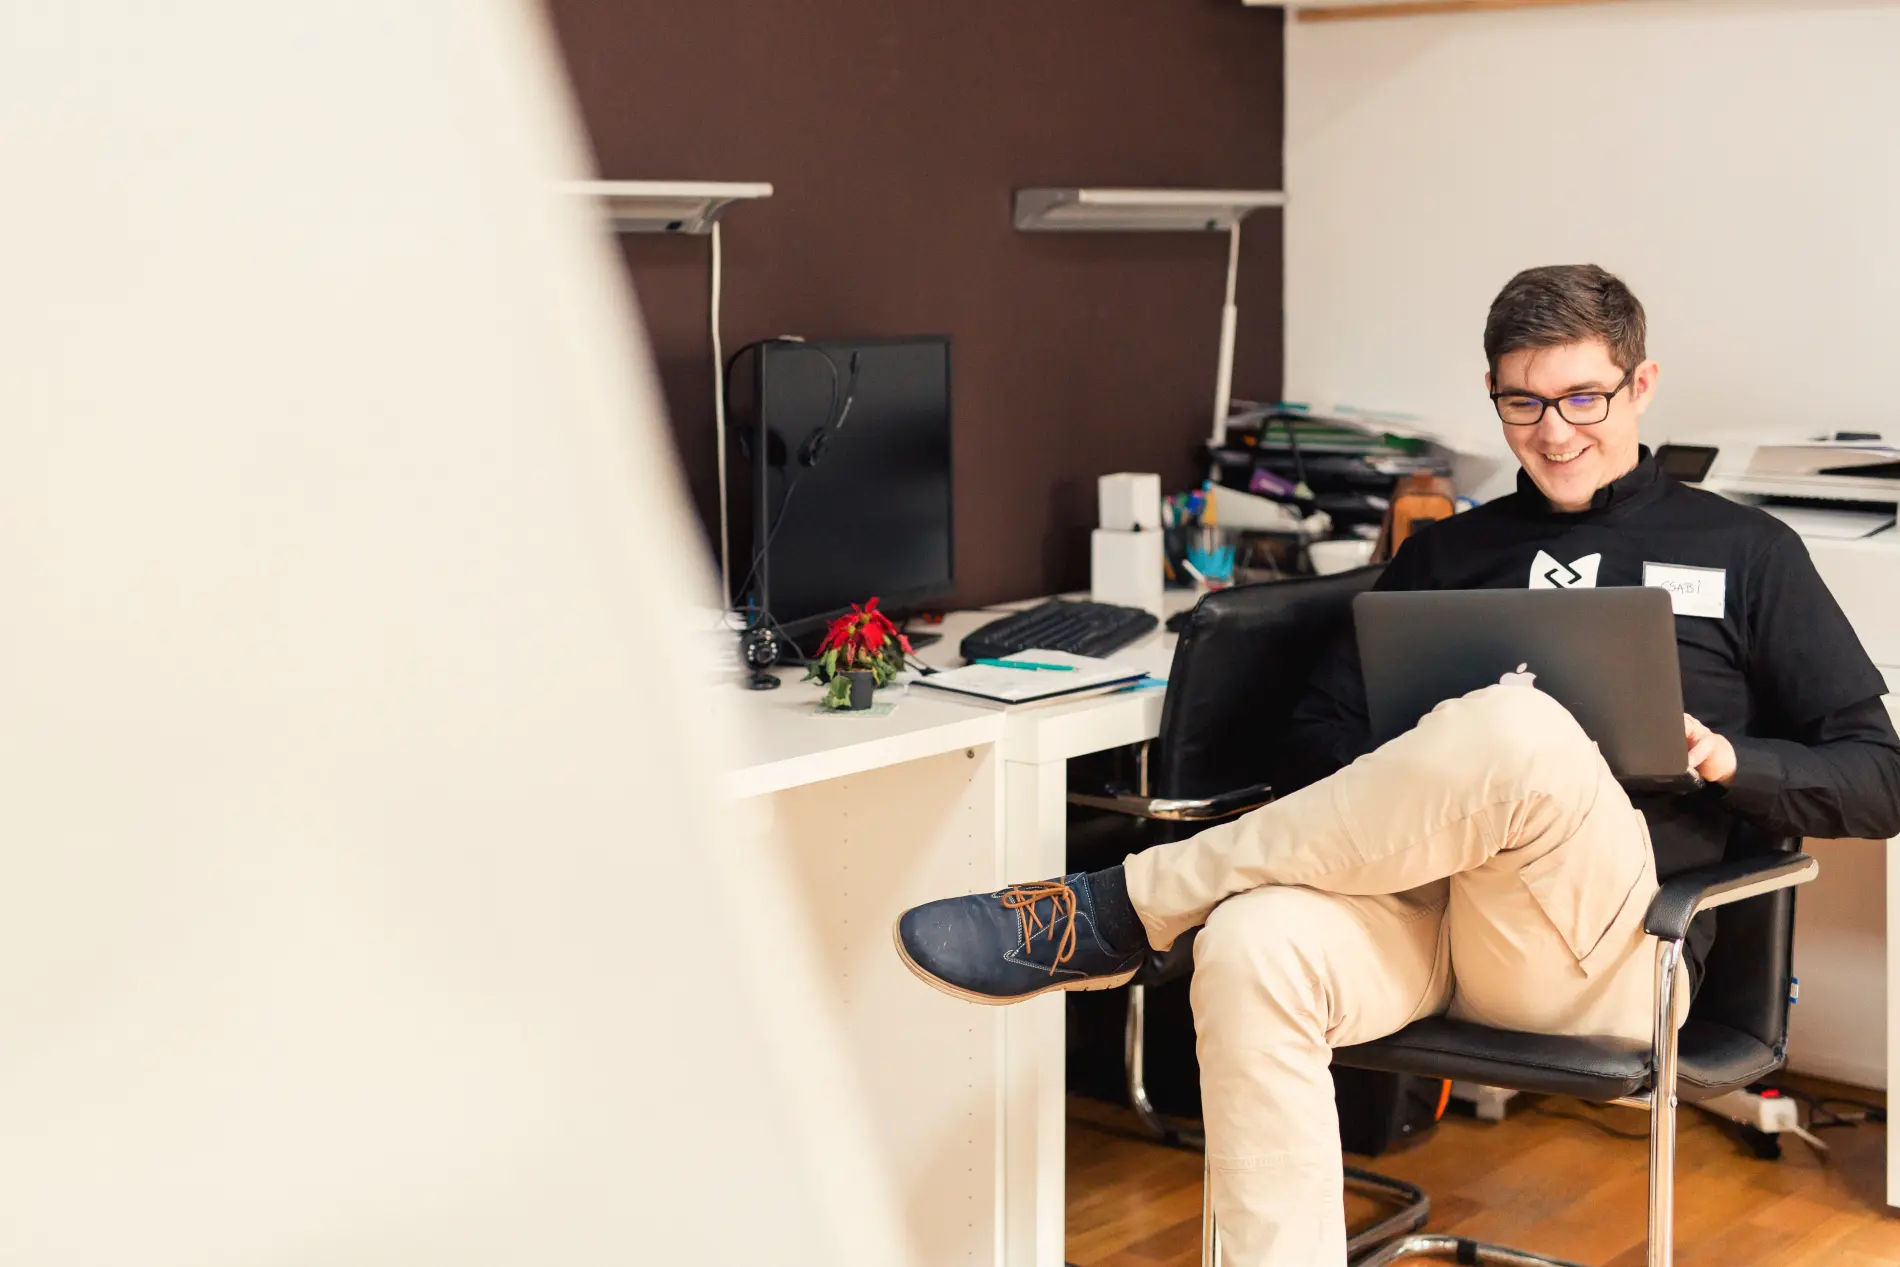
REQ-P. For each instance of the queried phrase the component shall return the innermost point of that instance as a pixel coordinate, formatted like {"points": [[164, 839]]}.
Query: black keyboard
{"points": [[1059, 625]]}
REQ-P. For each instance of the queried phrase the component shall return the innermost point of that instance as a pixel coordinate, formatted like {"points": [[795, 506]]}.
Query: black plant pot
{"points": [[863, 682]]}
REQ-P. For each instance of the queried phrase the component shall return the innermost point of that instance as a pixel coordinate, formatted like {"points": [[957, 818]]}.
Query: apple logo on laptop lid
{"points": [[1521, 676]]}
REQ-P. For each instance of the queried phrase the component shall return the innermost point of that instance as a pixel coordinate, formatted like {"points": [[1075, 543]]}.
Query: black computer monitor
{"points": [[870, 514]]}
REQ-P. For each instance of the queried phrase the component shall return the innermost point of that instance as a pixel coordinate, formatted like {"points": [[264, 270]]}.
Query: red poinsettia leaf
{"points": [[872, 605], [873, 637], [904, 642]]}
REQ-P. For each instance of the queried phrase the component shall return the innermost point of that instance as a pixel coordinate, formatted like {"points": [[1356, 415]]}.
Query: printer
{"points": [[1840, 494], [1844, 487]]}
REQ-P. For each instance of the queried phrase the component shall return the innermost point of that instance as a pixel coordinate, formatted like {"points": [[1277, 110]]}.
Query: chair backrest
{"points": [[1242, 663], [1745, 981]]}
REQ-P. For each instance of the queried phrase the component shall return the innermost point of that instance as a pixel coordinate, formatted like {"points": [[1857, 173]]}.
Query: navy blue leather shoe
{"points": [[1014, 944]]}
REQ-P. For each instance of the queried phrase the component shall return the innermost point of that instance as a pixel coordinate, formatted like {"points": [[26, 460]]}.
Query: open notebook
{"points": [[996, 688]]}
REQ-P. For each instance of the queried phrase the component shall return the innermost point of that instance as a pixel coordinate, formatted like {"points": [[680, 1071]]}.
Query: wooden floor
{"points": [[1541, 1180]]}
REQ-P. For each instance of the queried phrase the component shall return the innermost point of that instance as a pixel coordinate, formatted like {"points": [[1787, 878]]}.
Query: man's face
{"points": [[1569, 462]]}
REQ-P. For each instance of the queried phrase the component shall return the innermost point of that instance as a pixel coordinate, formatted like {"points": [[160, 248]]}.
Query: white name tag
{"points": [[1692, 591]]}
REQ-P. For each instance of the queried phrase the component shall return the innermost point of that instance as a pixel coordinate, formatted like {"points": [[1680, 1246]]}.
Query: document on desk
{"points": [[992, 687]]}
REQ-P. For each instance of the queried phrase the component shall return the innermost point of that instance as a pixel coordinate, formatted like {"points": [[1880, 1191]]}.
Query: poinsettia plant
{"points": [[863, 638]]}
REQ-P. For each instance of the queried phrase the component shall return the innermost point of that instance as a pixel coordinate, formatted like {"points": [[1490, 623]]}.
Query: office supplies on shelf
{"points": [[1031, 665], [1233, 508], [989, 685], [1218, 535], [1180, 509], [1268, 484], [1078, 628], [1342, 462]]}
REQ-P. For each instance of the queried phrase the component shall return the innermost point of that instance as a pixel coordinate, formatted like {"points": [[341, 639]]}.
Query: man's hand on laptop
{"points": [[1710, 755]]}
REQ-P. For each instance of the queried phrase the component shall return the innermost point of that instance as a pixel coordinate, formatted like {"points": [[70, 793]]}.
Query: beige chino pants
{"points": [[1484, 864]]}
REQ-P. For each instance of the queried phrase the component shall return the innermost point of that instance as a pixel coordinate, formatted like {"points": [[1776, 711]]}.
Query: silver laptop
{"points": [[1608, 655]]}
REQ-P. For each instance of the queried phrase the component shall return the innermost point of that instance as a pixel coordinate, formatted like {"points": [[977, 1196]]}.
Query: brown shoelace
{"points": [[1022, 899]]}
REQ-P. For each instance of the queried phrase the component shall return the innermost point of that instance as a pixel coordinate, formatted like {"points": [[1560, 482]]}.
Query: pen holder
{"points": [[1210, 551]]}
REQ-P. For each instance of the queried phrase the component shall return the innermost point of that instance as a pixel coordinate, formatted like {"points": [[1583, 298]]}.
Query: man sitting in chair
{"points": [[1485, 864]]}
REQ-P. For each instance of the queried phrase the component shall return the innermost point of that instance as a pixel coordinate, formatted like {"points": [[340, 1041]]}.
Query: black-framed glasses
{"points": [[1579, 409]]}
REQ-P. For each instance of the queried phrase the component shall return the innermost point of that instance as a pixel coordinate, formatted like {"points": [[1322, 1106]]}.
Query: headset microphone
{"points": [[813, 447]]}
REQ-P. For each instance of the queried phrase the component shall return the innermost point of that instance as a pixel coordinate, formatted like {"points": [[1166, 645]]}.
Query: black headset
{"points": [[812, 447]]}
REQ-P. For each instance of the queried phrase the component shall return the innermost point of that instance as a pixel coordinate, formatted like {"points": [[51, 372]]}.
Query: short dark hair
{"points": [[1566, 303]]}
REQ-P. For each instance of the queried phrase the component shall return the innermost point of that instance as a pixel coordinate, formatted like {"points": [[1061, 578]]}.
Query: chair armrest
{"points": [[1681, 898], [1169, 810]]}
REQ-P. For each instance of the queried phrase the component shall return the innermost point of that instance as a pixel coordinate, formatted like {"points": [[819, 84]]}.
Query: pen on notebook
{"points": [[1027, 664]]}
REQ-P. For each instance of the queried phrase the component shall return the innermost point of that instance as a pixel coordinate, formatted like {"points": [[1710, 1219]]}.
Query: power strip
{"points": [[1767, 1111]]}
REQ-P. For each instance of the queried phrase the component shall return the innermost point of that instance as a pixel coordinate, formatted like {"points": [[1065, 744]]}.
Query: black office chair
{"points": [[1266, 641]]}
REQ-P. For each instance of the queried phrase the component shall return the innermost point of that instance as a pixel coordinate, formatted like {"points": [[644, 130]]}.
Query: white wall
{"points": [[1738, 164], [365, 892]]}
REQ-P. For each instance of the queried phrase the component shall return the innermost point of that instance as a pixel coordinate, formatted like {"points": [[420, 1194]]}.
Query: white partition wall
{"points": [[368, 896]]}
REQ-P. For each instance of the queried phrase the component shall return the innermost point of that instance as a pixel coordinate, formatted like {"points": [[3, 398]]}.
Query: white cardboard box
{"points": [[1125, 568]]}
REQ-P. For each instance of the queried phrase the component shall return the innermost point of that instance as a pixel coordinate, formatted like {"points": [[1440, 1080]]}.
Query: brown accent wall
{"points": [[895, 132]]}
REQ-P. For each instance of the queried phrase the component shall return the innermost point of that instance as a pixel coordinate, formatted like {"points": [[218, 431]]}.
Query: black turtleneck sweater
{"points": [[1780, 674]]}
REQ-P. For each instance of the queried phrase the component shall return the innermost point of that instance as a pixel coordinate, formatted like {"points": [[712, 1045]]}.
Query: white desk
{"points": [[937, 799]]}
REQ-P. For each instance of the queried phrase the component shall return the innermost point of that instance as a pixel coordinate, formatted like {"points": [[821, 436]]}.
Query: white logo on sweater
{"points": [[1548, 574]]}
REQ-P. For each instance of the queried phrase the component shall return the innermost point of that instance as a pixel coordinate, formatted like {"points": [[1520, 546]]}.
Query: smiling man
{"points": [[1569, 406], [1485, 864]]}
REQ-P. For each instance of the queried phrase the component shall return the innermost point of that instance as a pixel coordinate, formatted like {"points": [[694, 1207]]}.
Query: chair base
{"points": [[1413, 1209], [1457, 1249]]}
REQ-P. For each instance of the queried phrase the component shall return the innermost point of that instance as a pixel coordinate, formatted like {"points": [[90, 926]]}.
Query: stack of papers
{"points": [[993, 687]]}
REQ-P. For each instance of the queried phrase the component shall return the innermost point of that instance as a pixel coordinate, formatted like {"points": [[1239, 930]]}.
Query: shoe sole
{"points": [[989, 1000]]}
